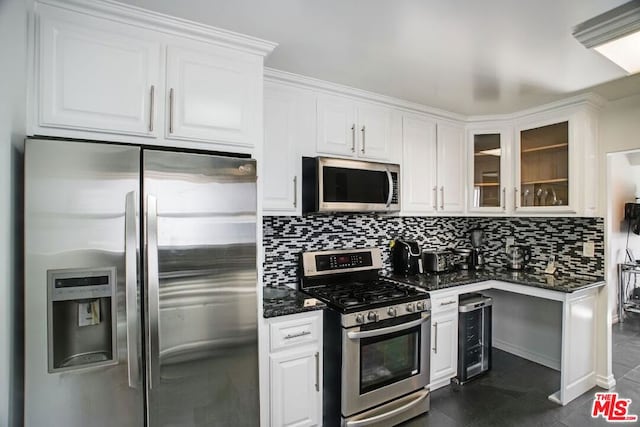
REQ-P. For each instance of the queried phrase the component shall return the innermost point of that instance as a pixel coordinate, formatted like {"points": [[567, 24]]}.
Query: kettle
{"points": [[406, 257], [518, 257]]}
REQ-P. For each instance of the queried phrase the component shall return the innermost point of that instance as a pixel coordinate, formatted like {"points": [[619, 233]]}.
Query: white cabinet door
{"points": [[214, 94], [281, 160], [295, 388], [451, 168], [96, 75], [444, 346], [336, 126], [374, 131], [418, 165]]}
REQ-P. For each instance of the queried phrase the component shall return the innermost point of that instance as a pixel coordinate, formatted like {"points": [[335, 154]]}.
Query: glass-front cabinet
{"points": [[488, 175], [543, 167]]}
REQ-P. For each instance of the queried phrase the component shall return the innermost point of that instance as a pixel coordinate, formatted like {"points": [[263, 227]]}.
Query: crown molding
{"points": [[133, 15], [613, 24], [304, 82]]}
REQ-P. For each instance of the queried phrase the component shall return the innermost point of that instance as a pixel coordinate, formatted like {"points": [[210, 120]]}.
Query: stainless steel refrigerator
{"points": [[140, 275]]}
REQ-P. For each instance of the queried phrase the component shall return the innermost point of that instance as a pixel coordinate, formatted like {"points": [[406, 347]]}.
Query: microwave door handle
{"points": [[391, 329], [131, 289], [390, 180], [152, 291]]}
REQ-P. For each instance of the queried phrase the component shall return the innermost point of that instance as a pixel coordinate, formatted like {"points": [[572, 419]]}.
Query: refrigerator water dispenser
{"points": [[82, 318]]}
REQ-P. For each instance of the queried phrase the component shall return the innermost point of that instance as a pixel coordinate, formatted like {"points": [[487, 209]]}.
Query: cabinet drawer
{"points": [[443, 303], [294, 332]]}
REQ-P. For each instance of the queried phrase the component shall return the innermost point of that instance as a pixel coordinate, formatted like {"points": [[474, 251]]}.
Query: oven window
{"points": [[354, 185], [389, 358]]}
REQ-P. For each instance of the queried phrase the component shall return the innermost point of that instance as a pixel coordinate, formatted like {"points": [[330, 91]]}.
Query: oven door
{"points": [[384, 361]]}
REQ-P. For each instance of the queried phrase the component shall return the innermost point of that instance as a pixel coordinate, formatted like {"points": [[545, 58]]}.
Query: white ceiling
{"points": [[467, 56]]}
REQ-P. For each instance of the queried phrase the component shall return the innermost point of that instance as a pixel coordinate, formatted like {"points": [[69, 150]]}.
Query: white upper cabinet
{"points": [[433, 166], [355, 129], [451, 166], [418, 165], [108, 71], [488, 180], [97, 75], [336, 125], [214, 95]]}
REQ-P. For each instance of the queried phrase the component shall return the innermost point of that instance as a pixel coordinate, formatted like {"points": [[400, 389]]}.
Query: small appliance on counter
{"points": [[518, 257], [476, 258], [474, 336], [438, 261], [406, 257]]}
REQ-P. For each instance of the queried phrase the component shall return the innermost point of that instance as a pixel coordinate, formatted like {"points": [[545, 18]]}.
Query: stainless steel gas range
{"points": [[376, 339]]}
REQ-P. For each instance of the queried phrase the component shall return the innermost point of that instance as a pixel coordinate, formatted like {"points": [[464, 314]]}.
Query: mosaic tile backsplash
{"points": [[286, 236]]}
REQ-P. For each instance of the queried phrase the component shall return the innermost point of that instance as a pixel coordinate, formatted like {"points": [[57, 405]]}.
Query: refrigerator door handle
{"points": [[131, 284], [152, 291]]}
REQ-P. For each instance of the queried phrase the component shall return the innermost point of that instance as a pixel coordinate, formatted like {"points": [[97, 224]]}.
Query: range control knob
{"points": [[410, 308], [360, 318], [391, 312], [372, 316], [420, 305]]}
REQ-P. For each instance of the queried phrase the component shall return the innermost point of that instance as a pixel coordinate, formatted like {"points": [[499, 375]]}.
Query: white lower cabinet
{"points": [[295, 370], [444, 340]]}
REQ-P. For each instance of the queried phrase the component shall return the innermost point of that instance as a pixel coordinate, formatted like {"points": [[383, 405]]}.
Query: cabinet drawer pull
{"points": [[317, 371], [363, 137], [295, 191], [299, 334], [152, 96], [435, 338], [448, 302], [435, 198], [171, 110], [353, 138]]}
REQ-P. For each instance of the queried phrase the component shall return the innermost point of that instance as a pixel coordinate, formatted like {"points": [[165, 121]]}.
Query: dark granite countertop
{"points": [[561, 283], [288, 301]]}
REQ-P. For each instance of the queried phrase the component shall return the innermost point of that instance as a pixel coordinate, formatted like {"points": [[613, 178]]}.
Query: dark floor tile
{"points": [[627, 354], [633, 375], [433, 418], [620, 371]]}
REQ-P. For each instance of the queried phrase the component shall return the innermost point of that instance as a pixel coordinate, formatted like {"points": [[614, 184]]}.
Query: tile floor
{"points": [[515, 392]]}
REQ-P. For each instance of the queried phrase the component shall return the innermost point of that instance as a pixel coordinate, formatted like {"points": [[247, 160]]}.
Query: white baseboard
{"points": [[440, 383], [605, 382], [527, 354]]}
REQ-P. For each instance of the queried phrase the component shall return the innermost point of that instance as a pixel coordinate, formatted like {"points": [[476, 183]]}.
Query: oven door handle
{"points": [[381, 417], [391, 329]]}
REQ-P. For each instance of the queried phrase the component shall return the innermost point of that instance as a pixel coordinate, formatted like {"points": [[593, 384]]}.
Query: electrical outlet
{"points": [[588, 249], [509, 242]]}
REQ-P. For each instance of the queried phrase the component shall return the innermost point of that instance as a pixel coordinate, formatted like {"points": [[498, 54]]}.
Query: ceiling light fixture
{"points": [[615, 34]]}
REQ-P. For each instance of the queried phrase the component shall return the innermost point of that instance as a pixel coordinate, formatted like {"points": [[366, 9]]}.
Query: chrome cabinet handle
{"points": [[442, 198], [171, 110], [435, 198], [152, 96], [376, 419], [131, 291], [448, 302], [317, 371], [295, 191], [515, 198], [300, 334], [435, 338], [356, 335], [363, 138], [353, 138], [152, 290], [504, 198]]}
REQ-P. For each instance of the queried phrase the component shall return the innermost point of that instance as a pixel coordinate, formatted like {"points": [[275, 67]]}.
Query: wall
{"points": [[286, 237], [13, 34]]}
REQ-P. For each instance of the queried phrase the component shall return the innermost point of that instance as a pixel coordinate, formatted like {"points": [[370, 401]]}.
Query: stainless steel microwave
{"points": [[343, 185]]}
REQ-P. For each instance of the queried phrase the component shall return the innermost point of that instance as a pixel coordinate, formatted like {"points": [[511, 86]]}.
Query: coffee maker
{"points": [[476, 258], [406, 257]]}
